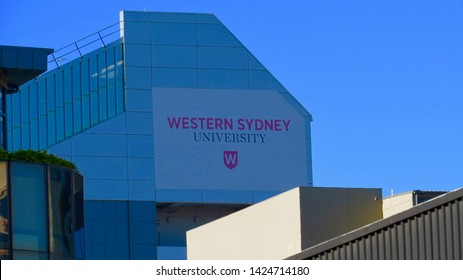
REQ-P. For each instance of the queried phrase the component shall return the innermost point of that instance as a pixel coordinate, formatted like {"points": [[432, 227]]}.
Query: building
{"points": [[400, 202], [173, 124], [286, 224], [41, 203], [335, 224]]}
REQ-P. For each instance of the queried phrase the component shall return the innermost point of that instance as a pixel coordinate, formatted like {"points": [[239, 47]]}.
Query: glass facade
{"points": [[120, 230], [98, 111], [43, 222], [66, 101]]}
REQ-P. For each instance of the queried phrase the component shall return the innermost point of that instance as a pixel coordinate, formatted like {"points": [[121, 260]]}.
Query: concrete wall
{"points": [[397, 203], [284, 224], [267, 230]]}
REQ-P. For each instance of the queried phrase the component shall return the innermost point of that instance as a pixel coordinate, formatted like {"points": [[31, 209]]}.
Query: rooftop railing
{"points": [[84, 46]]}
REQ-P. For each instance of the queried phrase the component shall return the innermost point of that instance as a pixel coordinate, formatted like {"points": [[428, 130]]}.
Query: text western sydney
{"points": [[205, 123]]}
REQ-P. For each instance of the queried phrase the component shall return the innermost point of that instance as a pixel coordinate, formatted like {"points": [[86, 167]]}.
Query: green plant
{"points": [[36, 156], [3, 154]]}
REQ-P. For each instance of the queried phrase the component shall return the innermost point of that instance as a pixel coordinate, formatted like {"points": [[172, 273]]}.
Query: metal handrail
{"points": [[79, 45]]}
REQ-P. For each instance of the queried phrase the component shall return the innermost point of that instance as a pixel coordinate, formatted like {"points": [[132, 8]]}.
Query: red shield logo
{"points": [[230, 159]]}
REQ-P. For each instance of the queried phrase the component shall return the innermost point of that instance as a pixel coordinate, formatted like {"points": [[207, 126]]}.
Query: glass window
{"points": [[77, 97], [34, 117], [16, 120], [85, 94], [29, 224], [60, 213], [25, 119], [42, 108], [102, 86], [119, 80], [4, 215], [111, 78], [68, 107], [94, 88]]}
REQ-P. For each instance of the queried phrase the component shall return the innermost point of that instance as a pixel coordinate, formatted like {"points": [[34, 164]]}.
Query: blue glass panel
{"points": [[142, 190], [123, 251], [43, 140], [106, 189], [215, 35], [142, 211], [25, 118], [99, 144], [102, 167], [223, 79], [97, 233], [85, 93], [137, 32], [16, 121], [97, 210], [137, 55], [60, 213], [59, 97], [173, 33], [102, 86], [111, 78], [139, 100], [175, 77], [136, 16], [138, 77], [94, 90], [142, 232], [110, 232], [222, 57], [174, 56], [77, 97], [179, 195], [120, 105], [143, 252], [88, 250], [80, 244], [122, 232], [122, 210], [111, 252], [173, 17], [258, 80], [139, 123], [110, 210], [140, 168], [98, 252], [62, 149], [29, 224], [68, 99], [140, 145], [51, 110]]}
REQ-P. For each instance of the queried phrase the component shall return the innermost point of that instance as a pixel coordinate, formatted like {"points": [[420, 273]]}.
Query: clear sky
{"points": [[383, 79]]}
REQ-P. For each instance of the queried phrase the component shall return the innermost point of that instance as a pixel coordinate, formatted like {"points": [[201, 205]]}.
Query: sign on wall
{"points": [[227, 139]]}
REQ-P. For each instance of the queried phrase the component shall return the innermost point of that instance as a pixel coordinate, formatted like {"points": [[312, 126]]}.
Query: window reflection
{"points": [[60, 215], [29, 207]]}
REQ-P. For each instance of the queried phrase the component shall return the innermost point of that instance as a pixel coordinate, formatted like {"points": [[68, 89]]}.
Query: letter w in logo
{"points": [[230, 159]]}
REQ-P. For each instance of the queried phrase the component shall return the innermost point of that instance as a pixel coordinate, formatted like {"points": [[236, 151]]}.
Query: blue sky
{"points": [[383, 79]]}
